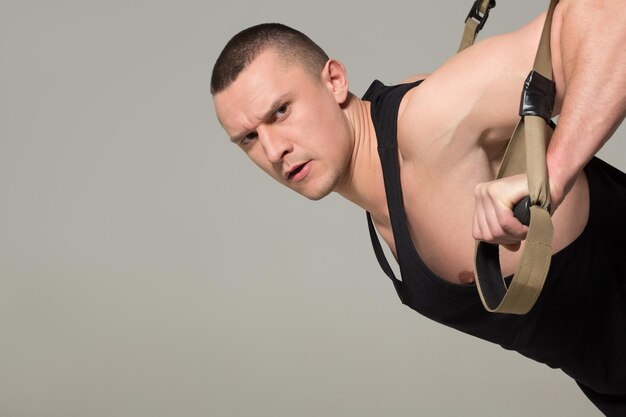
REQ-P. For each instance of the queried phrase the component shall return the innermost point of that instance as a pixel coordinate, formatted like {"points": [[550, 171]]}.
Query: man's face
{"points": [[290, 125]]}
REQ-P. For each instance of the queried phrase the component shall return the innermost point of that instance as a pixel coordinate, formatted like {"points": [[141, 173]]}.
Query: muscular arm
{"points": [[472, 103], [589, 60], [591, 39]]}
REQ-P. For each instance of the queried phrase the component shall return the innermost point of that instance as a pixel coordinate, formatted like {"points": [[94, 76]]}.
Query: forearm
{"points": [[593, 55]]}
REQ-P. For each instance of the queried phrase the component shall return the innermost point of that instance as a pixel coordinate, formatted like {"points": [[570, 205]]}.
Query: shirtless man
{"points": [[288, 106]]}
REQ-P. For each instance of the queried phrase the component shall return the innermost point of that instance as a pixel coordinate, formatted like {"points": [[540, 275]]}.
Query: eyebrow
{"points": [[276, 104]]}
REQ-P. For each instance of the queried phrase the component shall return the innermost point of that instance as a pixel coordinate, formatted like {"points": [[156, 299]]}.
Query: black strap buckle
{"points": [[474, 13]]}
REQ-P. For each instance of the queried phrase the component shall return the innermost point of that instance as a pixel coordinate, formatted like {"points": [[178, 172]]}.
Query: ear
{"points": [[334, 76]]}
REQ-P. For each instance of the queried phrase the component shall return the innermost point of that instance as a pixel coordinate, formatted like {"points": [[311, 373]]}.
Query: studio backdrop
{"points": [[147, 268]]}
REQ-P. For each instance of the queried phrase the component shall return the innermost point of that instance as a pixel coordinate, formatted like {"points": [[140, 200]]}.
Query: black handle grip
{"points": [[521, 210]]}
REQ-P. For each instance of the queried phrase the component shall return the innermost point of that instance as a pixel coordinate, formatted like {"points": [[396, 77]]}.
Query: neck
{"points": [[363, 181]]}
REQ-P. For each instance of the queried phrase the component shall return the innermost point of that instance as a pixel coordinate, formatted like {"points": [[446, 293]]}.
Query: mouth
{"points": [[299, 171]]}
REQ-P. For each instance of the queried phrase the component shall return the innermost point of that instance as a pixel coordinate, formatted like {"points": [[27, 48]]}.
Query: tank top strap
{"points": [[385, 103]]}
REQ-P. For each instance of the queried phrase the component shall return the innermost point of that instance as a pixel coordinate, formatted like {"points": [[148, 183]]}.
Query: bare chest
{"points": [[439, 207]]}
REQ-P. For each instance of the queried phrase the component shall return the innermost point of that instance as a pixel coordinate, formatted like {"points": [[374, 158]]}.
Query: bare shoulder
{"points": [[473, 97], [416, 77]]}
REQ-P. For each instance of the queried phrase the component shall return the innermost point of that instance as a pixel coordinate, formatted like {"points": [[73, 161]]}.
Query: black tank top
{"points": [[578, 323]]}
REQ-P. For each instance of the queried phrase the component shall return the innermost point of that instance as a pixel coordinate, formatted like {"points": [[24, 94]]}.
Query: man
{"points": [[420, 158]]}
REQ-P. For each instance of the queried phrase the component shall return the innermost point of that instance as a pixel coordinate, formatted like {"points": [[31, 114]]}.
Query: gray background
{"points": [[148, 269]]}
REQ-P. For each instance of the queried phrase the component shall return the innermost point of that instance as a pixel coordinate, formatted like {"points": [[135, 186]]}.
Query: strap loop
{"points": [[527, 147]]}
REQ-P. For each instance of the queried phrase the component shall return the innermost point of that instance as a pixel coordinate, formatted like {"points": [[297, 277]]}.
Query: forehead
{"points": [[255, 90]]}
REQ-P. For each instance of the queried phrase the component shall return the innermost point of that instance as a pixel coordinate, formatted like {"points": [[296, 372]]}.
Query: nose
{"points": [[274, 144]]}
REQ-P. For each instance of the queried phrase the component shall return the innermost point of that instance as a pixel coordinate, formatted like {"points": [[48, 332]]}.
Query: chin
{"points": [[313, 196], [316, 193], [316, 197], [320, 188]]}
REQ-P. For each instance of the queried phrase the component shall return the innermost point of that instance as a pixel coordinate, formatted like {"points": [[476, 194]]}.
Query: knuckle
{"points": [[508, 225], [477, 190], [493, 190]]}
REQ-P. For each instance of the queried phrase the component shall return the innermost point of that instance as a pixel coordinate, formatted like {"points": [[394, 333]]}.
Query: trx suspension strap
{"points": [[526, 152]]}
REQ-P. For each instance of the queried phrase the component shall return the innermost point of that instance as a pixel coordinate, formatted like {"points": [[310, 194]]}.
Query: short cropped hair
{"points": [[244, 47]]}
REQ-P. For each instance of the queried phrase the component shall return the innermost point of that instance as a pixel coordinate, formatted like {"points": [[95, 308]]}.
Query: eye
{"points": [[248, 138], [281, 111]]}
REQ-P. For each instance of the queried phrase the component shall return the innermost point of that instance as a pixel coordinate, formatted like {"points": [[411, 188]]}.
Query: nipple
{"points": [[466, 277]]}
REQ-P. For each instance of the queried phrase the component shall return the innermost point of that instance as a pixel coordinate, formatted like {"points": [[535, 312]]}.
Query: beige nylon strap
{"points": [[526, 149], [472, 25]]}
